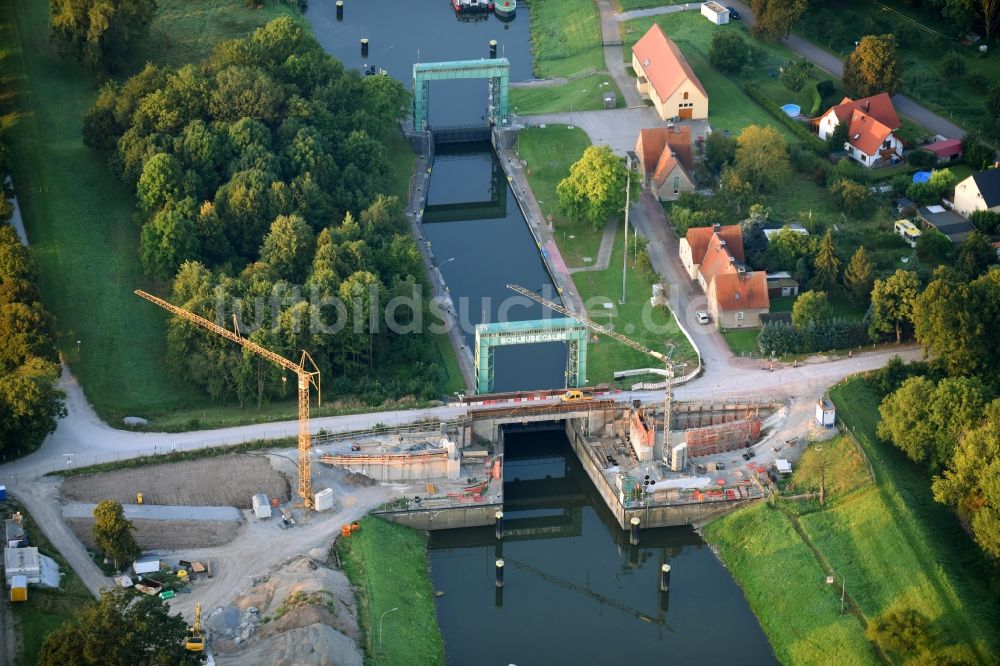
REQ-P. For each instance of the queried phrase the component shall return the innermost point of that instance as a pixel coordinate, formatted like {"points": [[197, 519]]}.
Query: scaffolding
{"points": [[711, 440]]}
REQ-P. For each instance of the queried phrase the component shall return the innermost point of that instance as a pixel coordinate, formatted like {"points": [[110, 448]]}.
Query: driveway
{"points": [[617, 128]]}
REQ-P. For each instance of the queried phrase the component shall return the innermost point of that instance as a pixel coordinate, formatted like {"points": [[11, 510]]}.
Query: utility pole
{"points": [[628, 191]]}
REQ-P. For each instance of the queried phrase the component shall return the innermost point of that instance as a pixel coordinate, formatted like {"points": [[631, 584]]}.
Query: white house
{"points": [[871, 129], [980, 191]]}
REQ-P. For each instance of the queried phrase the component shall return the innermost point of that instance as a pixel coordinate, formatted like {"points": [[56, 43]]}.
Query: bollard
{"points": [[499, 525], [498, 598], [364, 47], [665, 578], [493, 48], [633, 537], [340, 10], [499, 573]]}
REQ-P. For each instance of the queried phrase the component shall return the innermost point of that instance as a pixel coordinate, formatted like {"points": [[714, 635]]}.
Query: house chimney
{"points": [[716, 227], [868, 105]]}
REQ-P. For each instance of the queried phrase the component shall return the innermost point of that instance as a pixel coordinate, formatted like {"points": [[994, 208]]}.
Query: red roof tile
{"points": [[866, 133], [663, 63], [700, 237], [878, 107], [742, 292]]}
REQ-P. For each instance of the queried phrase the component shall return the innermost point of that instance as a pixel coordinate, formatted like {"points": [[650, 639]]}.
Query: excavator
{"points": [[196, 637]]}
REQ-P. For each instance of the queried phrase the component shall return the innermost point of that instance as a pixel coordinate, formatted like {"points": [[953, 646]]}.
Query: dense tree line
{"points": [[258, 175], [30, 402]]}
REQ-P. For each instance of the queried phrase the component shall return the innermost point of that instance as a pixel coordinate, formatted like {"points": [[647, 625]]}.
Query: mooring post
{"points": [[665, 578], [493, 48], [499, 573], [499, 525], [340, 10], [633, 537], [364, 47]]}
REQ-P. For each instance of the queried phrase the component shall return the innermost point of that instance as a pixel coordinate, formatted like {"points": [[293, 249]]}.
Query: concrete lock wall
{"points": [[445, 519]]}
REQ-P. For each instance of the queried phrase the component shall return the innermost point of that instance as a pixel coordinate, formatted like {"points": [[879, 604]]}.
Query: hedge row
{"points": [[809, 140]]}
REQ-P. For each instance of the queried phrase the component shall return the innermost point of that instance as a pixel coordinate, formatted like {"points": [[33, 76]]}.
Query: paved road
{"points": [[656, 11], [613, 59], [617, 128]]}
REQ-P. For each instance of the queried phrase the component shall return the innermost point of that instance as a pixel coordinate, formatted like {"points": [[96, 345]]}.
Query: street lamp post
{"points": [[380, 624], [572, 98]]}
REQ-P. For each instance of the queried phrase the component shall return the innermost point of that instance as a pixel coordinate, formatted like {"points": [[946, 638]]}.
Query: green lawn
{"points": [[583, 94], [841, 305], [961, 100], [549, 153], [742, 341], [46, 609], [387, 565], [636, 320], [785, 587], [566, 38], [898, 546]]}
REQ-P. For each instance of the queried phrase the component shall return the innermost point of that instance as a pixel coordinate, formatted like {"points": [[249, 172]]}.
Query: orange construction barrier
{"points": [[345, 530]]}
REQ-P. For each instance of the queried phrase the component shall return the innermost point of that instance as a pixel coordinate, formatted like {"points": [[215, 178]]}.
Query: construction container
{"points": [[715, 12], [261, 507], [3, 493], [826, 413], [323, 500], [19, 589], [146, 566], [22, 562]]}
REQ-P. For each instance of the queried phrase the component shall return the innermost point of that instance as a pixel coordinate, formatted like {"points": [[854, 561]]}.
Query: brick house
{"points": [[666, 161], [665, 76]]}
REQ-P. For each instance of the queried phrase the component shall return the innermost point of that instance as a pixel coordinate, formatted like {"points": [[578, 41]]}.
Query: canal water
{"points": [[574, 591]]}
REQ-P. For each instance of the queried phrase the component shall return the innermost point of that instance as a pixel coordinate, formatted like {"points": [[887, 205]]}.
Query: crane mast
{"points": [[306, 378], [604, 330]]}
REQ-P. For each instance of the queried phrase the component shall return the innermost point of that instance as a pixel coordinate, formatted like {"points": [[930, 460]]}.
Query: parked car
{"points": [[733, 14], [702, 317]]}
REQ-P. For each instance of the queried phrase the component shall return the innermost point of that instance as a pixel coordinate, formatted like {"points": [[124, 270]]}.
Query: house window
{"points": [[739, 316], [886, 143], [677, 184], [685, 95]]}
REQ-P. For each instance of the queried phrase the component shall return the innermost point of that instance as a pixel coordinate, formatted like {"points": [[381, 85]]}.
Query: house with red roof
{"points": [[871, 129], [737, 296], [666, 78], [666, 160]]}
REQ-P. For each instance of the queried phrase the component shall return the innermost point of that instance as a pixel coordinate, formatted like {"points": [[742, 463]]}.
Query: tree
{"points": [[730, 53], [956, 321], [826, 264], [809, 307], [874, 66], [951, 67], [167, 241], [835, 142], [975, 153], [926, 421], [777, 338], [892, 303], [854, 198], [720, 150], [795, 73], [986, 221], [775, 18], [933, 247], [905, 631], [971, 483], [989, 12], [594, 190], [761, 157], [113, 532], [975, 255], [119, 628], [100, 32], [858, 276], [289, 247]]}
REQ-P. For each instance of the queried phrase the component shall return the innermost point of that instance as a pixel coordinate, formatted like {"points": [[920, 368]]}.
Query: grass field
{"points": [[652, 327], [549, 153], [46, 609], [583, 94], [387, 565], [742, 341], [566, 38], [785, 587], [899, 547]]}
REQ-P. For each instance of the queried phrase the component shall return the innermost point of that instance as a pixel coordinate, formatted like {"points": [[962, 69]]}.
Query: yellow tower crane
{"points": [[305, 376], [668, 392]]}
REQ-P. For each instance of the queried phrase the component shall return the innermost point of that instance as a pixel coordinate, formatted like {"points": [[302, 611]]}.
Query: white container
{"points": [[826, 413], [145, 566], [323, 500], [261, 506], [715, 13]]}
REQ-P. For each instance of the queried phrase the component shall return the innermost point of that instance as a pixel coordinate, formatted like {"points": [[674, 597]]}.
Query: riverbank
{"points": [[387, 565], [889, 547]]}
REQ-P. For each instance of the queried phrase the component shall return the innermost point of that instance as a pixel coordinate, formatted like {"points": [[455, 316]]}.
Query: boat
{"points": [[472, 5], [504, 9]]}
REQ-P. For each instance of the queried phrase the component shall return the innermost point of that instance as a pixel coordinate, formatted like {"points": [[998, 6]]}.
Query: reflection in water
{"points": [[574, 591]]}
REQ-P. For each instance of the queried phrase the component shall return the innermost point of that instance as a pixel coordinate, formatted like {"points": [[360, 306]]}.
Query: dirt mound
{"points": [[229, 480], [300, 613], [166, 534]]}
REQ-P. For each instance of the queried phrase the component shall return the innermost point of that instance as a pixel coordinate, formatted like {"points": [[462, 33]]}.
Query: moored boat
{"points": [[472, 5], [504, 9]]}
